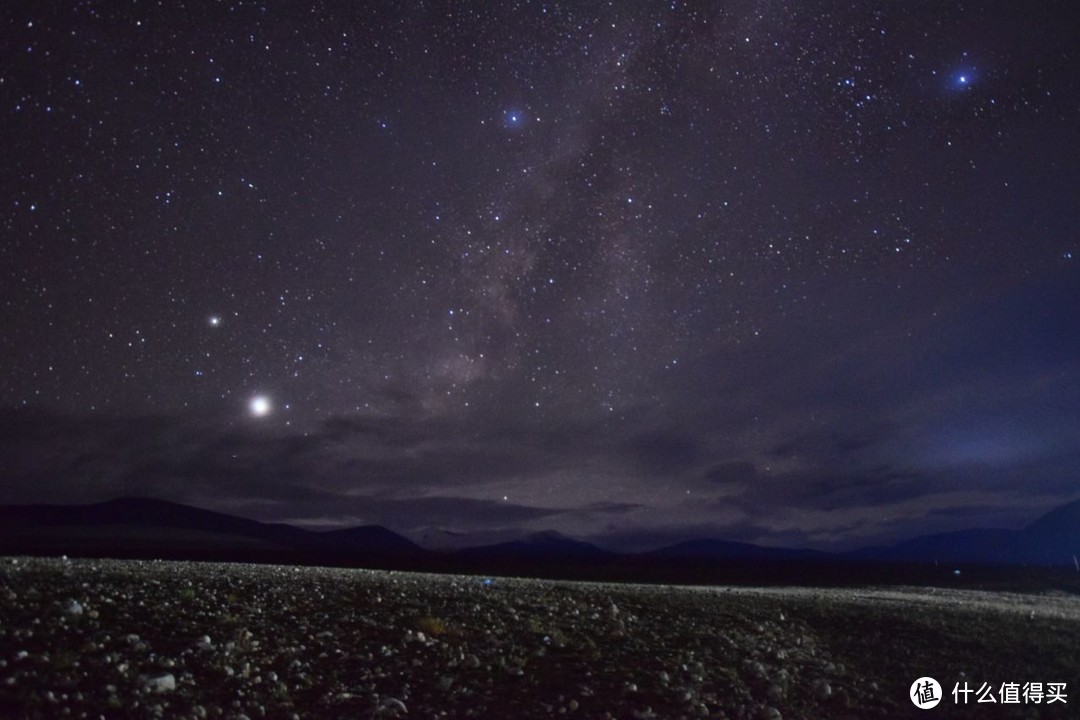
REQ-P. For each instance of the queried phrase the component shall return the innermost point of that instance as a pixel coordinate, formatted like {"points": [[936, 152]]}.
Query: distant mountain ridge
{"points": [[1053, 540], [544, 544], [145, 526], [141, 519], [725, 549]]}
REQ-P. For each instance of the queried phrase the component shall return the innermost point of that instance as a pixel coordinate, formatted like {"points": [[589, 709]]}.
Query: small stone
{"points": [[72, 607], [160, 683], [392, 705], [822, 690]]}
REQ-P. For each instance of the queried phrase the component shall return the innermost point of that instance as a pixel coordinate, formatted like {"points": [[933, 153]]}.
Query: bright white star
{"points": [[513, 119], [214, 321], [259, 406]]}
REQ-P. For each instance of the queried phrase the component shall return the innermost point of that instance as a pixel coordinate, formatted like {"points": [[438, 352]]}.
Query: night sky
{"points": [[780, 272]]}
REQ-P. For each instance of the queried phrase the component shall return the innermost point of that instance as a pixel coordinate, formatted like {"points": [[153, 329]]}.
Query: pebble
{"points": [[822, 689], [159, 683]]}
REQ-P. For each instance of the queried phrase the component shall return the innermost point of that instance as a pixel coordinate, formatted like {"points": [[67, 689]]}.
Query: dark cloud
{"points": [[837, 448], [818, 490], [664, 453], [732, 473]]}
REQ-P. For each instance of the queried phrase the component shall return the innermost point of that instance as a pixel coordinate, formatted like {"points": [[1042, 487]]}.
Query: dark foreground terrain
{"points": [[143, 639]]}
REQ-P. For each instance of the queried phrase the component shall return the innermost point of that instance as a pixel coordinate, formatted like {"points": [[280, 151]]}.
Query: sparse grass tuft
{"points": [[432, 626]]}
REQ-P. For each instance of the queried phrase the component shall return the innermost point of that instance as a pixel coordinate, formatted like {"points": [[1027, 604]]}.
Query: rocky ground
{"points": [[128, 639]]}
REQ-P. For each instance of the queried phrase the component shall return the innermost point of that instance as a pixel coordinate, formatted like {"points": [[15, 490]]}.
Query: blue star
{"points": [[963, 79], [513, 119]]}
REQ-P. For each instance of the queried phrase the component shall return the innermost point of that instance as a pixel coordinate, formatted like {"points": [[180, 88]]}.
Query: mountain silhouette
{"points": [[547, 544], [727, 550], [1051, 540], [160, 525], [146, 527]]}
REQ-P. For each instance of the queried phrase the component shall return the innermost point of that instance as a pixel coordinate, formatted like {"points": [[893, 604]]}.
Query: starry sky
{"points": [[780, 272]]}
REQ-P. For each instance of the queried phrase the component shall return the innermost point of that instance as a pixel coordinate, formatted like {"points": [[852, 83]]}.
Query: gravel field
{"points": [[131, 639]]}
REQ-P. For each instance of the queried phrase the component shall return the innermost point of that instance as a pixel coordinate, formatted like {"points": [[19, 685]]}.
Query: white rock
{"points": [[72, 607], [160, 683], [392, 705]]}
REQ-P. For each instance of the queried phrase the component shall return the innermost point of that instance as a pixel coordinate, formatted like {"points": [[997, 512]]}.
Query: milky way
{"points": [[634, 272]]}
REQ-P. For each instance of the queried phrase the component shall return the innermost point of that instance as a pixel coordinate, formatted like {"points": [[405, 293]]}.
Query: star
{"points": [[259, 406], [513, 119], [214, 321], [963, 79]]}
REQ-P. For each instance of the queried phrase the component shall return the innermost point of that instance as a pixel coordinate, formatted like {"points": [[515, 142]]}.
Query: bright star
{"points": [[259, 406], [964, 79], [214, 321], [513, 118]]}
